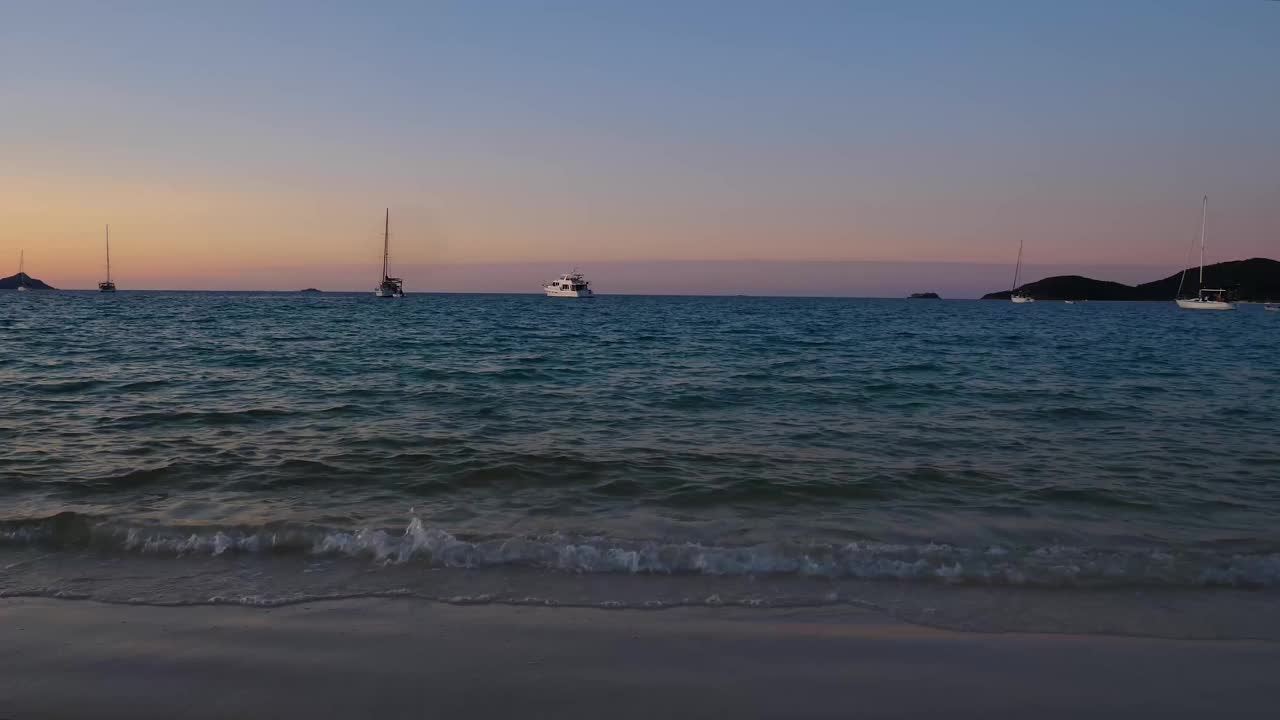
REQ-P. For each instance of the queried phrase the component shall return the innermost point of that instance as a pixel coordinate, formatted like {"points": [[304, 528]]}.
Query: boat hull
{"points": [[388, 294], [1021, 299], [552, 292], [23, 288], [1193, 304]]}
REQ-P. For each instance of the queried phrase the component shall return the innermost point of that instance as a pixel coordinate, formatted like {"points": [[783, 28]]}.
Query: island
{"points": [[924, 296], [1253, 280], [310, 290], [13, 281]]}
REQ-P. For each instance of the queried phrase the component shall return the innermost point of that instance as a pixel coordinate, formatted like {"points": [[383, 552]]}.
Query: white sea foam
{"points": [[1053, 565]]}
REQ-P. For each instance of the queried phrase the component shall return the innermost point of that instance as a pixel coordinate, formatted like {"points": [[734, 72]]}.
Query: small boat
{"points": [[1207, 298], [22, 274], [108, 286], [390, 287], [1015, 294], [569, 285], [1271, 307], [1069, 302]]}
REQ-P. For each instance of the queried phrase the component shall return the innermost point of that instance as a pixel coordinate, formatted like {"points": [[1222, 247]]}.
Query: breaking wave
{"points": [[1045, 566]]}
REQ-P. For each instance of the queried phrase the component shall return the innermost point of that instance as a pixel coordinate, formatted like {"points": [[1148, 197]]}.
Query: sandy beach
{"points": [[392, 658]]}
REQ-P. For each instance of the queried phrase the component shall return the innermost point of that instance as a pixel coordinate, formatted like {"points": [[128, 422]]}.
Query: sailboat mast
{"points": [[386, 241], [108, 253], [1204, 211], [1017, 270]]}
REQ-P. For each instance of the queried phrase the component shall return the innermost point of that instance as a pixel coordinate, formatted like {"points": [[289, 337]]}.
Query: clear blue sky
{"points": [[250, 133]]}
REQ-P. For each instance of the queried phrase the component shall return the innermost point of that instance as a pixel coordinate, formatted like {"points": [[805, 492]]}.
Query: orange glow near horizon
{"points": [[170, 237], [221, 142]]}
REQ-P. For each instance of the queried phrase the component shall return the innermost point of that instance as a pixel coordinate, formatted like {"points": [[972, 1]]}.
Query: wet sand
{"points": [[389, 658]]}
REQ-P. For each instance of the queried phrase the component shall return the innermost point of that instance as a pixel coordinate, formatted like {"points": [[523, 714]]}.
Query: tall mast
{"points": [[1017, 270], [386, 242], [21, 262], [108, 253], [1204, 211]]}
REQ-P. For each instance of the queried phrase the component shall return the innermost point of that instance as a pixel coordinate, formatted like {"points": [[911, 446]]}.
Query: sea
{"points": [[977, 465]]}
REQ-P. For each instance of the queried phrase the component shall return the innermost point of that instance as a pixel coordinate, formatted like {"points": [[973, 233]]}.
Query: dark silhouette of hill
{"points": [[11, 282], [925, 296], [1071, 287], [1253, 280]]}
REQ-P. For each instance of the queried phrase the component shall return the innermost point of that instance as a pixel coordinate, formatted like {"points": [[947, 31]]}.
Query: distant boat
{"points": [[390, 287], [22, 273], [1271, 307], [1015, 294], [108, 286], [1207, 298], [569, 285], [1069, 302]]}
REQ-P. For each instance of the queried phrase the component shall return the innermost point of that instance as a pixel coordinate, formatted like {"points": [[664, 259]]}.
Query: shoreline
{"points": [[390, 657]]}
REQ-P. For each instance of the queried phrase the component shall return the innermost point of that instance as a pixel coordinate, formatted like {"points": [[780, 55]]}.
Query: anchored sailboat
{"points": [[390, 287], [1208, 298], [108, 286], [22, 273], [1015, 294]]}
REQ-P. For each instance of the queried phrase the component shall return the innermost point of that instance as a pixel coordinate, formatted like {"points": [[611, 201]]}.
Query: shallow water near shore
{"points": [[945, 461]]}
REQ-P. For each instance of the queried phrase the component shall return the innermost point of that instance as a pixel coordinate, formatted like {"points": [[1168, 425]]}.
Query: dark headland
{"points": [[924, 296], [13, 281], [1253, 280]]}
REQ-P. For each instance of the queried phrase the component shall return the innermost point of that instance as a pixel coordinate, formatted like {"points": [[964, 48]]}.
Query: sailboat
{"points": [[1015, 294], [1208, 298], [108, 286], [390, 287], [22, 273]]}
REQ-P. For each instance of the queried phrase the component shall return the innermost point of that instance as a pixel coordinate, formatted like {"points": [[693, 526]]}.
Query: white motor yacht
{"points": [[569, 285]]}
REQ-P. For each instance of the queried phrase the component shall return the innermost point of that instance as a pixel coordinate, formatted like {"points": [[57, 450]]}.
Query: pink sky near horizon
{"points": [[224, 143]]}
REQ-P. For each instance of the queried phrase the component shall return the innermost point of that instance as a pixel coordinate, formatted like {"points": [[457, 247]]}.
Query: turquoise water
{"points": [[276, 446]]}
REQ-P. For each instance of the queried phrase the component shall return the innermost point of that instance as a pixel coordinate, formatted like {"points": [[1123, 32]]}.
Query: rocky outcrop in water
{"points": [[13, 281]]}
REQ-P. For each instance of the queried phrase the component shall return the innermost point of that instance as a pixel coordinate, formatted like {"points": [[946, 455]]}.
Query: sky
{"points": [[251, 145]]}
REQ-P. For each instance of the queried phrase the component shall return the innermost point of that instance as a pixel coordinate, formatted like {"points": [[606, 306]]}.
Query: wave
{"points": [[1046, 566], [203, 418], [64, 387], [304, 598]]}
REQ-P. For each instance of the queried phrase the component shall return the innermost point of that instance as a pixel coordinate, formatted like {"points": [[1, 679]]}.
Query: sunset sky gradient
{"points": [[249, 144]]}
